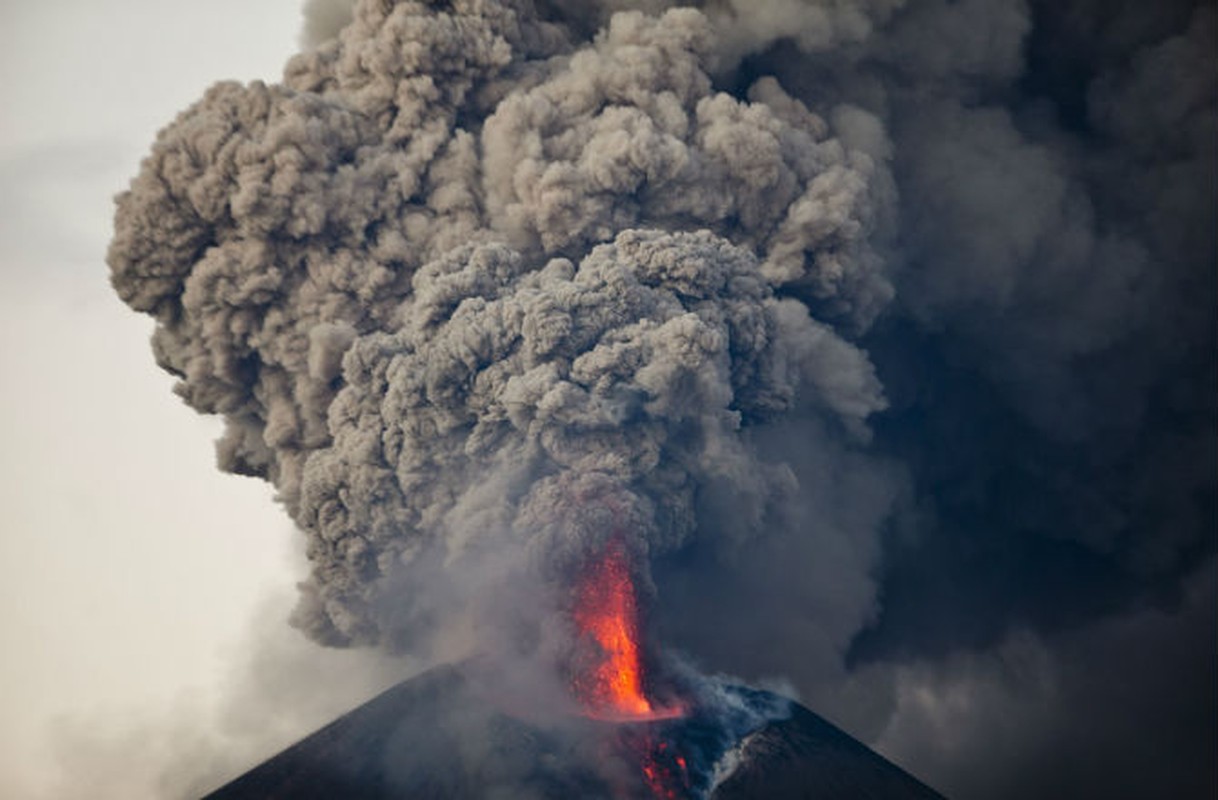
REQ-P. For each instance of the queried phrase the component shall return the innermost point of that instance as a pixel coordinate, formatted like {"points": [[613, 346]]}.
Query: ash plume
{"points": [[879, 333], [460, 277]]}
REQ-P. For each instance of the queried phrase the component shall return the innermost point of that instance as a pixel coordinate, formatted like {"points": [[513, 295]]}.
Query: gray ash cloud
{"points": [[459, 257], [882, 331]]}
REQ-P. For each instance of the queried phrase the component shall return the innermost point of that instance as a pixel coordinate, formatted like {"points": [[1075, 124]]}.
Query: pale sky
{"points": [[138, 574]]}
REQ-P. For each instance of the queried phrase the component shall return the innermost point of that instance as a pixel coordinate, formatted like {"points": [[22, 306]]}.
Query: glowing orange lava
{"points": [[606, 611], [609, 678], [666, 773]]}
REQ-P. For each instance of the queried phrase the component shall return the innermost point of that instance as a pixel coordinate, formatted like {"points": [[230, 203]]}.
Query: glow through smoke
{"points": [[606, 611], [606, 615], [612, 686]]}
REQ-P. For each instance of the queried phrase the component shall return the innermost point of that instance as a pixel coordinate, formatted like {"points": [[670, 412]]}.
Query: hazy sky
{"points": [[113, 508]]}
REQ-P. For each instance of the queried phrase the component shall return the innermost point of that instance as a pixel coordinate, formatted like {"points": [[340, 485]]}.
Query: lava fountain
{"points": [[610, 684], [606, 616]]}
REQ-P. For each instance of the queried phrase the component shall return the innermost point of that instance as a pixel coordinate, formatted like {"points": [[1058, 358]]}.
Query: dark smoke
{"points": [[882, 331]]}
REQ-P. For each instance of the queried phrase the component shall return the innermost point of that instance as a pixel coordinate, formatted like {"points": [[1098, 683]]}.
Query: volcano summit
{"points": [[440, 736]]}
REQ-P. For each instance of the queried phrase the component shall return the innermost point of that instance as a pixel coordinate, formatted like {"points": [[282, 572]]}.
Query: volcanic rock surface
{"points": [[435, 736]]}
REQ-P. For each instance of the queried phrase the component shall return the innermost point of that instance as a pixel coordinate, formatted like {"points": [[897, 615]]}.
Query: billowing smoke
{"points": [[462, 278], [877, 332]]}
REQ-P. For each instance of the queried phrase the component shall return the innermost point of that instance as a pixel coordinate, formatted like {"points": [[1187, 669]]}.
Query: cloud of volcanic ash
{"points": [[466, 284], [878, 334]]}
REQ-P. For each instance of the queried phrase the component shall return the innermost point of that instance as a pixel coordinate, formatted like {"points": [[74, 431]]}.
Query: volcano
{"points": [[436, 736]]}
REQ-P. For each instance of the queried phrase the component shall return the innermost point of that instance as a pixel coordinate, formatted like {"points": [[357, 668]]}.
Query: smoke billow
{"points": [[878, 333], [463, 278]]}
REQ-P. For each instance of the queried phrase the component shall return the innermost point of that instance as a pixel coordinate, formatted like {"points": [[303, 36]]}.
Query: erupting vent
{"points": [[606, 614], [610, 685]]}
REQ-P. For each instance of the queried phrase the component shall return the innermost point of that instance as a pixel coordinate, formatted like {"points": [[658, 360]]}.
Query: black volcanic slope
{"points": [[428, 737], [806, 757]]}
